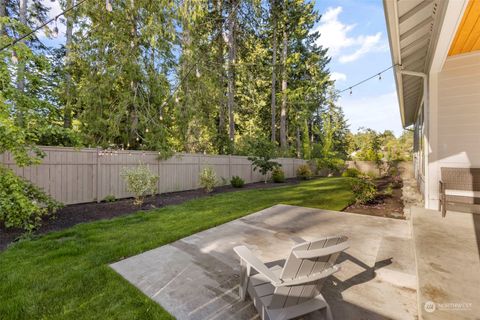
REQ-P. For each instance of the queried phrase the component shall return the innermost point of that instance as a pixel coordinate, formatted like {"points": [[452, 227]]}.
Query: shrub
{"points": [[140, 181], [351, 173], [304, 172], [372, 174], [333, 164], [278, 175], [110, 198], [22, 204], [363, 189], [208, 179], [237, 182], [388, 190]]}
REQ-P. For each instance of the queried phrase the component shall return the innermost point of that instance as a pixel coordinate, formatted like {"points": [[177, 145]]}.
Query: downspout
{"points": [[426, 119]]}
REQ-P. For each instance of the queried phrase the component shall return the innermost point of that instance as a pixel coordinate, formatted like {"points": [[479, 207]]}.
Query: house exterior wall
{"points": [[454, 116]]}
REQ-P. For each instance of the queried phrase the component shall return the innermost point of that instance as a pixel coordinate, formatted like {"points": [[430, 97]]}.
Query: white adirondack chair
{"points": [[290, 291]]}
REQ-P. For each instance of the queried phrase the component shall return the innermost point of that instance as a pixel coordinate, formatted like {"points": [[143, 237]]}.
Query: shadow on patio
{"points": [[197, 277]]}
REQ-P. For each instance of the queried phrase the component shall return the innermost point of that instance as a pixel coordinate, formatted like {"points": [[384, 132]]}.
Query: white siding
{"points": [[459, 112], [457, 118]]}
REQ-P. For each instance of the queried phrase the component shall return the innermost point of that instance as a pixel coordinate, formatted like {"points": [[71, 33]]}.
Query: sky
{"points": [[355, 34]]}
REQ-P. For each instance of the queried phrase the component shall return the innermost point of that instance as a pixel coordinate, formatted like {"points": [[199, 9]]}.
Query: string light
{"points": [[108, 6], [378, 74], [146, 130], [41, 26], [55, 29], [14, 57], [197, 73]]}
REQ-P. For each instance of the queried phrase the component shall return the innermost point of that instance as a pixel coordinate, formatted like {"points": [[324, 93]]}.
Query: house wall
{"points": [[454, 118]]}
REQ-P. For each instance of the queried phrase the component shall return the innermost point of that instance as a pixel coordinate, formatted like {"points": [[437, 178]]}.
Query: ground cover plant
{"points": [[65, 275]]}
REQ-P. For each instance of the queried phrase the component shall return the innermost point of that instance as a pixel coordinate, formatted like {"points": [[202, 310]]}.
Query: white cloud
{"points": [[334, 35], [338, 76], [379, 112]]}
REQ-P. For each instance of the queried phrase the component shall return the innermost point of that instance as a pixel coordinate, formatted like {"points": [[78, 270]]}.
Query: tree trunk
{"points": [[3, 13], [186, 45], [21, 65], [299, 143], [134, 119], [283, 110], [273, 14], [231, 74], [67, 113], [221, 80]]}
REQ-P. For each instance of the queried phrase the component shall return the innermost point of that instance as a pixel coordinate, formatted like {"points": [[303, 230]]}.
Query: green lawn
{"points": [[65, 274]]}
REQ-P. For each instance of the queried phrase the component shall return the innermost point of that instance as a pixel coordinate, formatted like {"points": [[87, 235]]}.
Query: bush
{"points": [[278, 175], [333, 164], [237, 182], [140, 181], [22, 204], [110, 198], [351, 173], [388, 190], [363, 189], [208, 179], [304, 172]]}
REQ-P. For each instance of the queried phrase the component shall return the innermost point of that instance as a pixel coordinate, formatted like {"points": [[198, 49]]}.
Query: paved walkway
{"points": [[197, 277], [447, 251]]}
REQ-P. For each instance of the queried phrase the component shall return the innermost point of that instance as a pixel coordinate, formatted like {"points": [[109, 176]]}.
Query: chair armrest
{"points": [[309, 254], [250, 259], [441, 186], [313, 277], [297, 240]]}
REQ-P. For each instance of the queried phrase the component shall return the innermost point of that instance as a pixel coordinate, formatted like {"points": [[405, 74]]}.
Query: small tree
{"points": [[264, 152], [140, 181]]}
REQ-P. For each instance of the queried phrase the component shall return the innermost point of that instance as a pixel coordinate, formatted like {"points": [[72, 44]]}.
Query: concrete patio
{"points": [[447, 258], [197, 277]]}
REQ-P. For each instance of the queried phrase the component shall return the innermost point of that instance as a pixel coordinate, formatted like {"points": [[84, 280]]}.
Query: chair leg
{"points": [[444, 206], [245, 270], [328, 313]]}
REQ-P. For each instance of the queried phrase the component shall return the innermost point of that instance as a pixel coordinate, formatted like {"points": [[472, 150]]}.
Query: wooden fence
{"points": [[405, 168], [84, 175]]}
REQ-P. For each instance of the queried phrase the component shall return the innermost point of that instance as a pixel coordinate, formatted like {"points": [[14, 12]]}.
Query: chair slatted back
{"points": [[467, 179], [297, 268]]}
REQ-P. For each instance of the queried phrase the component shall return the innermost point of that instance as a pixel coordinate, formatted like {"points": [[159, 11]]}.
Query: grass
{"points": [[65, 274]]}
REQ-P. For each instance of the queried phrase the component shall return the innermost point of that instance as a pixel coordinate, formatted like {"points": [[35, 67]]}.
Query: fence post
{"points": [[229, 166], [97, 176]]}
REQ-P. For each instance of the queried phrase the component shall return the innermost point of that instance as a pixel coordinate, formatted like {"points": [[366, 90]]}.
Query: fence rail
{"points": [[73, 175]]}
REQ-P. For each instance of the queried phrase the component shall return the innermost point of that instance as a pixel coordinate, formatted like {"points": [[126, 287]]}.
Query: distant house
{"points": [[436, 47]]}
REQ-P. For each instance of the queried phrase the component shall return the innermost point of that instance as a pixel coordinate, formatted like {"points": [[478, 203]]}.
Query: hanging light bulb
{"points": [[146, 130], [379, 76], [14, 57], [138, 139], [55, 29], [108, 6], [351, 92], [177, 99], [197, 73], [161, 117]]}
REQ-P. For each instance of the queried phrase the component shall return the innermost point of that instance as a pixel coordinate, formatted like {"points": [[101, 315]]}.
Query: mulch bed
{"points": [[382, 206], [77, 213]]}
